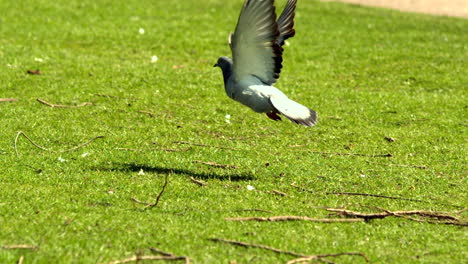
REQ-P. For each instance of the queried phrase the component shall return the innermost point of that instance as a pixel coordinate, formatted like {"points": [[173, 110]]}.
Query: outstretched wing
{"points": [[254, 45], [286, 22]]}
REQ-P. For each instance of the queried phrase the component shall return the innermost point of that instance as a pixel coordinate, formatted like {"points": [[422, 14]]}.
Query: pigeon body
{"points": [[256, 47]]}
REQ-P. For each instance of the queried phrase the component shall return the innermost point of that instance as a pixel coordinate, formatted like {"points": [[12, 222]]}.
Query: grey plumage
{"points": [[256, 47]]}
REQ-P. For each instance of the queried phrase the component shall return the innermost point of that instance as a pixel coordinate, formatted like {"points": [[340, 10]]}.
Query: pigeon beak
{"points": [[216, 65]]}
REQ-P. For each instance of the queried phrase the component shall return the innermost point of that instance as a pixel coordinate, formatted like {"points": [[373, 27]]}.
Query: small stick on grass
{"points": [[20, 260], [254, 209], [151, 205], [302, 257], [19, 247], [137, 259], [375, 195], [247, 245], [116, 97], [321, 256], [8, 100], [202, 145], [61, 106], [353, 154], [46, 149], [167, 254], [279, 193], [151, 114], [159, 251], [294, 218], [301, 188], [155, 149], [400, 165], [216, 165], [201, 183], [442, 217]]}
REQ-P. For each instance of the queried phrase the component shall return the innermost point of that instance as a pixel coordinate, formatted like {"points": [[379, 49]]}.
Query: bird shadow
{"points": [[134, 167]]}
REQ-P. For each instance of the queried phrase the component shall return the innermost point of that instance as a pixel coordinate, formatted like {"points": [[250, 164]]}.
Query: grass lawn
{"points": [[382, 82]]}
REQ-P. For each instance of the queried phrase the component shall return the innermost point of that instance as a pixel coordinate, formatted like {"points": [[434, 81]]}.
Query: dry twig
{"points": [[302, 257], [216, 165], [201, 183], [279, 193], [8, 100], [151, 205], [20, 260], [155, 149], [293, 218], [61, 106], [353, 154], [321, 256], [301, 188], [427, 216], [137, 258], [202, 145], [243, 244], [374, 195], [400, 165], [34, 72], [46, 149], [167, 254], [151, 114], [19, 247], [116, 97], [253, 209]]}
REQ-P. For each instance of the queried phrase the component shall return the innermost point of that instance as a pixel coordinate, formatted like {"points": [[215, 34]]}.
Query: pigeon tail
{"points": [[294, 111]]}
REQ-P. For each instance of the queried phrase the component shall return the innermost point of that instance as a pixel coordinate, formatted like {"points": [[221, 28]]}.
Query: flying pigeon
{"points": [[256, 47]]}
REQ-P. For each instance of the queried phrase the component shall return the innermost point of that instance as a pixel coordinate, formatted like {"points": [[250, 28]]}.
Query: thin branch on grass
{"points": [[46, 149], [374, 195], [155, 149], [301, 188], [30, 140], [19, 247], [159, 251], [20, 260], [294, 218], [116, 97], [360, 194], [201, 183], [400, 165], [216, 165], [202, 145], [302, 257], [151, 205], [82, 145], [34, 72], [427, 216], [61, 106], [135, 200], [8, 100], [353, 154], [167, 254], [279, 193], [151, 114], [253, 209], [136, 259], [247, 245], [322, 256]]}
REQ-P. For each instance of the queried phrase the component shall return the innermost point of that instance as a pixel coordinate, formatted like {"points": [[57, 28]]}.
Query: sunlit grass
{"points": [[369, 73]]}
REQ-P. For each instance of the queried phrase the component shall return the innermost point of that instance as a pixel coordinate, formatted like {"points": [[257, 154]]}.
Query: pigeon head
{"points": [[225, 64]]}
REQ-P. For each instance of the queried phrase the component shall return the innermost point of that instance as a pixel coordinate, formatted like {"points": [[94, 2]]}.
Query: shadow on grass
{"points": [[133, 167]]}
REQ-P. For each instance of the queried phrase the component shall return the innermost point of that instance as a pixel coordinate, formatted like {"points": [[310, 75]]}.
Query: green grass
{"points": [[369, 73]]}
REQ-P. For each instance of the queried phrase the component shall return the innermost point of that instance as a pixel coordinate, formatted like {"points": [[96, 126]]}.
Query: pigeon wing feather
{"points": [[254, 45], [286, 22]]}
